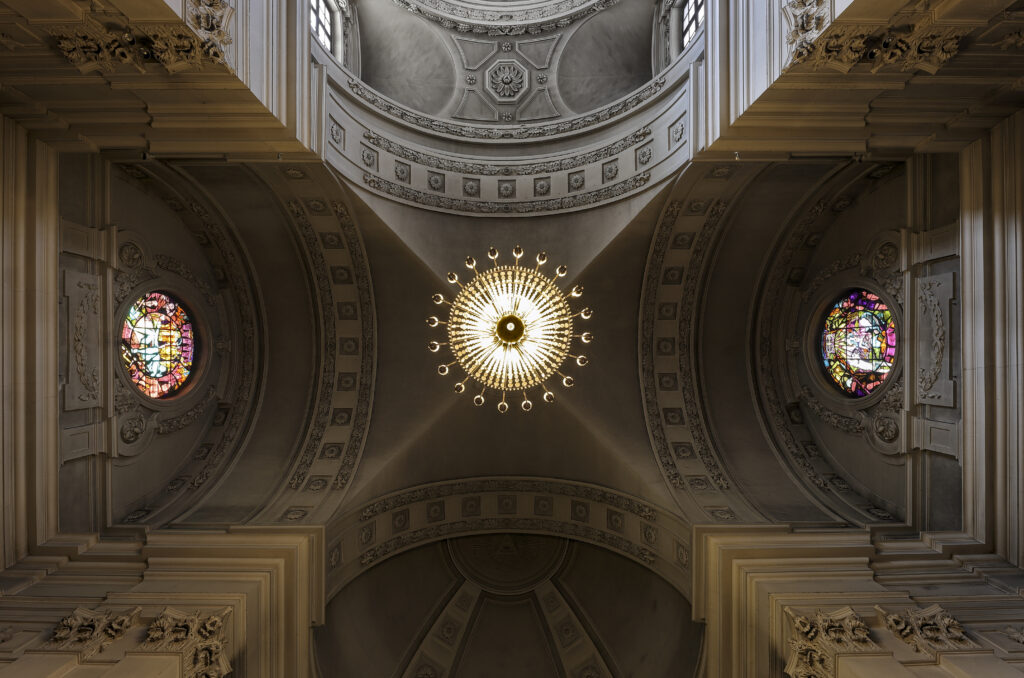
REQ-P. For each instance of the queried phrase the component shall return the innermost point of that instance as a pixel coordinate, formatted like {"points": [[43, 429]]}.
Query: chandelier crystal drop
{"points": [[510, 329]]}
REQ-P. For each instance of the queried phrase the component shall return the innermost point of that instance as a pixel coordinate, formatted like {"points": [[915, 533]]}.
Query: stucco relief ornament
{"points": [[506, 80], [816, 641], [510, 328]]}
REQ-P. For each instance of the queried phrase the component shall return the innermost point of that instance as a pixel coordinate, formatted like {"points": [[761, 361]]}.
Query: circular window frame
{"points": [[189, 392], [823, 384]]}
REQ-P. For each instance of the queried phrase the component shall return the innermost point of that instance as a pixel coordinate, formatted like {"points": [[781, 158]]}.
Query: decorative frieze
{"points": [[492, 207], [509, 169]]}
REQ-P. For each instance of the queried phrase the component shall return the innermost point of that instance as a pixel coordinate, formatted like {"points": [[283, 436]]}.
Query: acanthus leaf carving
{"points": [[928, 631], [817, 641], [209, 19], [200, 640], [91, 46], [89, 631]]}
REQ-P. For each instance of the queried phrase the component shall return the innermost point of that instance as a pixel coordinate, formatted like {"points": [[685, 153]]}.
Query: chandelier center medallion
{"points": [[510, 328]]}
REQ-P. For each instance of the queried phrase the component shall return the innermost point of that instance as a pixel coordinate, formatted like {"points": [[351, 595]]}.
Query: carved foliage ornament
{"points": [[89, 631], [924, 46], [92, 46], [929, 630], [817, 641], [200, 640]]}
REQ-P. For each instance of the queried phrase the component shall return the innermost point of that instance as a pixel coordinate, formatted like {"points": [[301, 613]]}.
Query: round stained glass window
{"points": [[157, 344], [858, 342]]}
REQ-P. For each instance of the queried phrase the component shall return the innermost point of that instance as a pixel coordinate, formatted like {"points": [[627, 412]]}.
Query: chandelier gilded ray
{"points": [[510, 329]]}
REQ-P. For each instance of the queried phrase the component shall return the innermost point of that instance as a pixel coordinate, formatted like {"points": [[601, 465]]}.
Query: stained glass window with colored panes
{"points": [[858, 342], [157, 344]]}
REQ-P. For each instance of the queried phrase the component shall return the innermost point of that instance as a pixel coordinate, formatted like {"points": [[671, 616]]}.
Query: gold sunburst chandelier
{"points": [[510, 328]]}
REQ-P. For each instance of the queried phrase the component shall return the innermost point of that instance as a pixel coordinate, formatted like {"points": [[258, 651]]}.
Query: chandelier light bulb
{"points": [[510, 329], [586, 314], [453, 278], [437, 299]]}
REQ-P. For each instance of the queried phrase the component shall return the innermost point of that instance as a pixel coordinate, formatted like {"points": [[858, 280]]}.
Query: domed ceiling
{"points": [[508, 606], [505, 62]]}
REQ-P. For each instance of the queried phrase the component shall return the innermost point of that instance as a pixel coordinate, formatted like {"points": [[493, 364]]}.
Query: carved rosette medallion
{"points": [[507, 80]]}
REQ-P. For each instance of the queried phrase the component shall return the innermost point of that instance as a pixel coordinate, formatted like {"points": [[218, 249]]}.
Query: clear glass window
{"points": [[693, 17], [321, 22]]}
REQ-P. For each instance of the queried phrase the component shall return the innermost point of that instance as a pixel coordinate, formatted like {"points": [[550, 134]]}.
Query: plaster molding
{"points": [[515, 207], [680, 441], [510, 168], [364, 537], [511, 132]]}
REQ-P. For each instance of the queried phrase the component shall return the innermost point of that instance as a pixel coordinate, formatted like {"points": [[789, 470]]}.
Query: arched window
{"points": [[692, 17], [157, 344], [321, 22], [858, 342]]}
